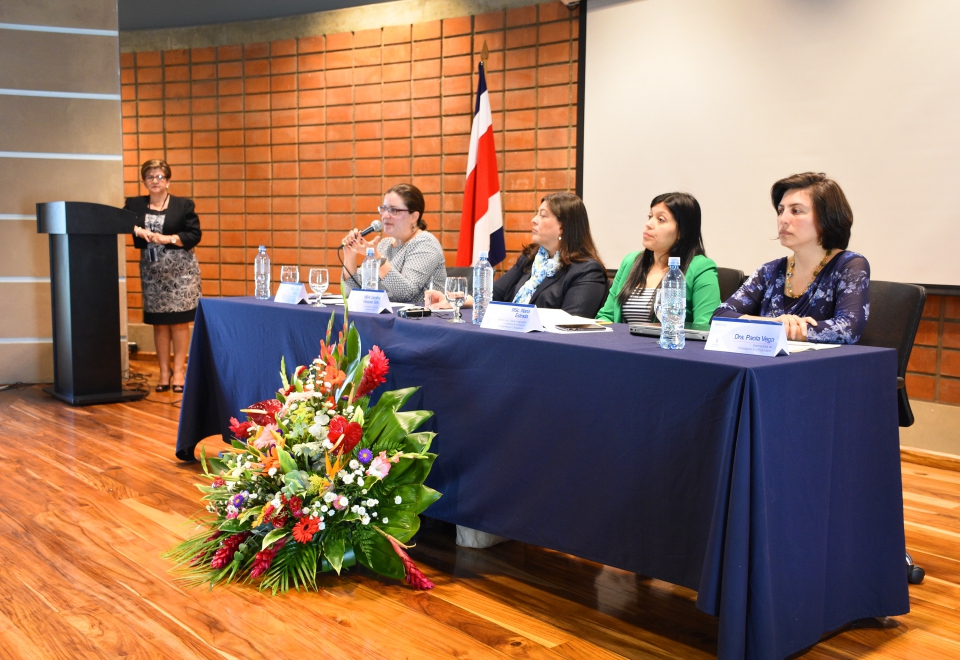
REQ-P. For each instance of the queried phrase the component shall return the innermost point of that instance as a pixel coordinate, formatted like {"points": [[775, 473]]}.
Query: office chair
{"points": [[730, 280], [895, 311]]}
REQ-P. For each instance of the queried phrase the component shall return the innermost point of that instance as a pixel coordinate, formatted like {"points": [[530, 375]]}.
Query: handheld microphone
{"points": [[376, 225]]}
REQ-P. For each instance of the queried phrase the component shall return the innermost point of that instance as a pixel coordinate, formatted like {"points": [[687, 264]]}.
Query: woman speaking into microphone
{"points": [[410, 257]]}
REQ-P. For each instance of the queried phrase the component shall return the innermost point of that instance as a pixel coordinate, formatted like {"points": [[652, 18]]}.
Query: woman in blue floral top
{"points": [[822, 292]]}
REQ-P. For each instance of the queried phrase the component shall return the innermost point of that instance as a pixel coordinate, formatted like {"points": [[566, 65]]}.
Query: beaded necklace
{"points": [[791, 262]]}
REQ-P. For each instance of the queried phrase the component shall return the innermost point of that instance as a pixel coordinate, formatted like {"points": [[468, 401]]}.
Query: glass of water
{"points": [[455, 289], [319, 281], [289, 274]]}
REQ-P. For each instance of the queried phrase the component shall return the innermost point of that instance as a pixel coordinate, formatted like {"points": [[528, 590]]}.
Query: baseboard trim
{"points": [[930, 458]]}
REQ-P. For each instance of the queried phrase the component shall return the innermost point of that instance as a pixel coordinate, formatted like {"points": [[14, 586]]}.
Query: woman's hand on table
{"points": [[796, 326], [438, 300]]}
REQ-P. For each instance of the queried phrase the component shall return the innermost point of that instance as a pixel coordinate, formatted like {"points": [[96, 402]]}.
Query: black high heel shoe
{"points": [[163, 388]]}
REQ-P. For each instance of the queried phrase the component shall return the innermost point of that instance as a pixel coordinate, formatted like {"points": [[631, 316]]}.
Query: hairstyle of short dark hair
{"points": [[155, 164], [831, 209], [685, 209], [576, 244], [413, 198]]}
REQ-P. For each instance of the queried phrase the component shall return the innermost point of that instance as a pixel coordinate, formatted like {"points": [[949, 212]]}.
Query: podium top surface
{"points": [[83, 218]]}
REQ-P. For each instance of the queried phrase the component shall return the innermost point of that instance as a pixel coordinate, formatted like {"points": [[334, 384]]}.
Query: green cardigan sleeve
{"points": [[611, 310], [703, 290]]}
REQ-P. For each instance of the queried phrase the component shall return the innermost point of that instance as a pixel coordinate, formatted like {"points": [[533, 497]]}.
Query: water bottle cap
{"points": [[263, 248], [369, 252], [673, 261], [483, 254]]}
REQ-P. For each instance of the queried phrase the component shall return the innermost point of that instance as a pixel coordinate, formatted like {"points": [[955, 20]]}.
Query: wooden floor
{"points": [[90, 497]]}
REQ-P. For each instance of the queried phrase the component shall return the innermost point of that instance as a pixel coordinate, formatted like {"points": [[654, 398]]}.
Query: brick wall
{"points": [[934, 370], [289, 144]]}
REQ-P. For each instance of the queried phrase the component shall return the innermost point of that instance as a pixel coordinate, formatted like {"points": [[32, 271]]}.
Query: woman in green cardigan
{"points": [[672, 230]]}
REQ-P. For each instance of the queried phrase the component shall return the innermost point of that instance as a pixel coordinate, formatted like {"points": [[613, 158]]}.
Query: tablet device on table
{"points": [[693, 331]]}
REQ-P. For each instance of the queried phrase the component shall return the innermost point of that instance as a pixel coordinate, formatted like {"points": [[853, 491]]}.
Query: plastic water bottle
{"points": [[673, 306], [261, 274], [482, 287], [370, 271]]}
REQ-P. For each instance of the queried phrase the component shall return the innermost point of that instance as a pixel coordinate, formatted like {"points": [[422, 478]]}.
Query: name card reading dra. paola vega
{"points": [[515, 317], [747, 336], [368, 301]]}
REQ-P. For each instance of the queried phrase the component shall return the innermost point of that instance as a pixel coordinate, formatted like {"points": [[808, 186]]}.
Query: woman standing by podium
{"points": [[166, 232]]}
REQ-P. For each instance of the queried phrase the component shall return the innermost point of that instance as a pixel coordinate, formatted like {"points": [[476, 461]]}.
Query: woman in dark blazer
{"points": [[166, 232], [560, 269]]}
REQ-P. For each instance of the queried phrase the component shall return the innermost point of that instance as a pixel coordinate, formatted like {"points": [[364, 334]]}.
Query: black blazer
{"points": [[578, 289], [181, 219]]}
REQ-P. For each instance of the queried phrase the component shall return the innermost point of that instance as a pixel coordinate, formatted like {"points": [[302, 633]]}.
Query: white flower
{"points": [[230, 485], [329, 496], [323, 525], [386, 520], [327, 445], [344, 501], [364, 491], [371, 502], [347, 478], [360, 482], [354, 464], [272, 471], [361, 511], [325, 508], [254, 476], [293, 406], [354, 508], [374, 514], [365, 520], [397, 499]]}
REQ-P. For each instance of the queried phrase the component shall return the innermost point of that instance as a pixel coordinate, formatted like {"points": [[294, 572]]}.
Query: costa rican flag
{"points": [[481, 222]]}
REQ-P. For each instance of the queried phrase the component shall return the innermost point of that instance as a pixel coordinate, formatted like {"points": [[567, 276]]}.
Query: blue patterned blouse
{"points": [[839, 298]]}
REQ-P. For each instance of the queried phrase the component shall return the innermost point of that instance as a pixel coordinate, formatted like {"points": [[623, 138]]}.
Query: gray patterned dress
{"points": [[170, 277], [414, 265]]}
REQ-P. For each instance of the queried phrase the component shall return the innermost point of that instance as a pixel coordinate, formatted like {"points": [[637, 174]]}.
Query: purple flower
{"points": [[238, 499], [365, 456]]}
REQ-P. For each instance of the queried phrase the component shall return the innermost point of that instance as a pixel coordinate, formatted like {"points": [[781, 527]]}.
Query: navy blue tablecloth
{"points": [[769, 485]]}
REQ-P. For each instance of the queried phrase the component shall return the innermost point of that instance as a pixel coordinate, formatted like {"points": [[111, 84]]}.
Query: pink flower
{"points": [[380, 465], [264, 438]]}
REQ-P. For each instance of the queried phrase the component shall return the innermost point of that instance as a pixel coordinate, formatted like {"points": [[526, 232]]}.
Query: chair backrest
{"points": [[458, 271], [895, 311], [730, 280]]}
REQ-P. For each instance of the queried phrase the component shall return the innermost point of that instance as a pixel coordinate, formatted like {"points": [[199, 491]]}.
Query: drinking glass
{"points": [[289, 274], [319, 281], [455, 289]]}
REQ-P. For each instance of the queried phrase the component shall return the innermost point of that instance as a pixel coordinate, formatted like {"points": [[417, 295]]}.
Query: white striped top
{"points": [[639, 306]]}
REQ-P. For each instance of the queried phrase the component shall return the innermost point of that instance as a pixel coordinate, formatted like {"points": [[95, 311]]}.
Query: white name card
{"points": [[291, 293], [747, 336], [370, 302], [514, 317]]}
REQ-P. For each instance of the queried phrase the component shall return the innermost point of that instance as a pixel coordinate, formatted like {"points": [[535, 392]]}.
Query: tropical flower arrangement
{"points": [[317, 479]]}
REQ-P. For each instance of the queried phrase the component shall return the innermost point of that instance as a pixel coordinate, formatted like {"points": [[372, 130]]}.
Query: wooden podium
{"points": [[86, 300]]}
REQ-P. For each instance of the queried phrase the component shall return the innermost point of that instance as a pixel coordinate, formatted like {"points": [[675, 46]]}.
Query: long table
{"points": [[769, 485]]}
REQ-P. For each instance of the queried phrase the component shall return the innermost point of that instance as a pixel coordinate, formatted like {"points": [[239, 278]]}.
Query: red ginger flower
{"points": [[270, 408], [261, 563], [281, 520], [218, 482], [228, 548], [304, 530], [415, 577], [240, 430], [351, 432], [375, 374], [199, 556]]}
